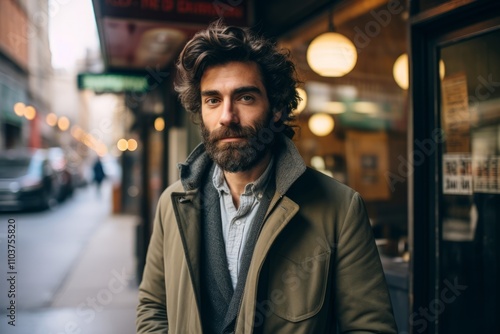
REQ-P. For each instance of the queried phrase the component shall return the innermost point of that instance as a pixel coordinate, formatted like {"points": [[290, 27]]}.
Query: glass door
{"points": [[469, 205]]}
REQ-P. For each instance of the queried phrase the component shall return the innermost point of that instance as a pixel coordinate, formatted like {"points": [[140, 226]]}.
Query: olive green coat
{"points": [[315, 260]]}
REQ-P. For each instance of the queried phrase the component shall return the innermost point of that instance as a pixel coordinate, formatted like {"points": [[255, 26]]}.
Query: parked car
{"points": [[27, 180]]}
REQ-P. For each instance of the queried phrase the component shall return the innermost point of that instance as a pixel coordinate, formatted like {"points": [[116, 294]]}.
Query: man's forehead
{"points": [[241, 73]]}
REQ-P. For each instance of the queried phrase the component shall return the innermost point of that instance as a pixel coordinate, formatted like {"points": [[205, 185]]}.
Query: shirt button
{"points": [[238, 222]]}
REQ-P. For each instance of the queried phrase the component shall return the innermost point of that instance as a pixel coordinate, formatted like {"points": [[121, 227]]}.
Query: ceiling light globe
{"points": [[400, 71], [331, 55], [303, 101], [321, 124]]}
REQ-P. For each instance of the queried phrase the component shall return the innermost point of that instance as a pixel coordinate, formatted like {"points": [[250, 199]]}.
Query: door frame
{"points": [[429, 31]]}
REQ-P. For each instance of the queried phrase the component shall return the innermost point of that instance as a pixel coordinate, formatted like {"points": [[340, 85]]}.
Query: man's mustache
{"points": [[232, 132]]}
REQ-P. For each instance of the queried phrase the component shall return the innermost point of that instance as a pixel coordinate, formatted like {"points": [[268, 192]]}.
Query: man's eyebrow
{"points": [[239, 90], [210, 92], [248, 89]]}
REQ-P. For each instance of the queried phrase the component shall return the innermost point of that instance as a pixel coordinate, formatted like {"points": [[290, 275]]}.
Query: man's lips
{"points": [[231, 139]]}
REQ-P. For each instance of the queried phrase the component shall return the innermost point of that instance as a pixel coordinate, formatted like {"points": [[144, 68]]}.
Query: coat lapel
{"points": [[280, 213], [187, 211]]}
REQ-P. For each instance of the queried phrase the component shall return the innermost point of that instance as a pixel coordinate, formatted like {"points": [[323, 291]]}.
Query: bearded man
{"points": [[250, 240]]}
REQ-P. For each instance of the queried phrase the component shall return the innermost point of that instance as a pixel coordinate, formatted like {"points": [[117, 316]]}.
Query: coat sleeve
{"points": [[362, 300], [151, 310]]}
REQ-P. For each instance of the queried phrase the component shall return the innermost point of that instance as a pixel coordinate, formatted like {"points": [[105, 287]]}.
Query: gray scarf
{"points": [[219, 303]]}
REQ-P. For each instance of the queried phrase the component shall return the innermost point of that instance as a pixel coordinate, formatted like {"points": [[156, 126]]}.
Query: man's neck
{"points": [[237, 181]]}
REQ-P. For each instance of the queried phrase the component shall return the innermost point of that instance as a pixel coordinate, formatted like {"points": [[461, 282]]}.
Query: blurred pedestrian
{"points": [[99, 174]]}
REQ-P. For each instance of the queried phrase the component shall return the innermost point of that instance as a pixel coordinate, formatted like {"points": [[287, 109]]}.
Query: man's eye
{"points": [[211, 101], [247, 98]]}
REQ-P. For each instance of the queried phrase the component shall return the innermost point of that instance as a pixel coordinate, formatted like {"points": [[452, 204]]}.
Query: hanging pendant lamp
{"points": [[321, 124], [331, 54], [400, 71]]}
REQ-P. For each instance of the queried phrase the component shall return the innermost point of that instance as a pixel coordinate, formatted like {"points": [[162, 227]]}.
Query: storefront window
{"points": [[366, 148], [470, 187]]}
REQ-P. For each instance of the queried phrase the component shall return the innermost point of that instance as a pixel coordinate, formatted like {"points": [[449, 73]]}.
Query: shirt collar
{"points": [[256, 188]]}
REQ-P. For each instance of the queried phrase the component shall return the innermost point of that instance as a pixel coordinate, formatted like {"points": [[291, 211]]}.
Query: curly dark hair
{"points": [[220, 44]]}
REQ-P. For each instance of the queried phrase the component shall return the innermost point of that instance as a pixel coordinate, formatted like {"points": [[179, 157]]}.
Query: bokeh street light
{"points": [[63, 123], [159, 124], [132, 144], [51, 119], [30, 113], [19, 108], [122, 145]]}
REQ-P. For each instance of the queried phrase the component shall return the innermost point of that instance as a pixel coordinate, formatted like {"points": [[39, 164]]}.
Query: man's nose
{"points": [[228, 114]]}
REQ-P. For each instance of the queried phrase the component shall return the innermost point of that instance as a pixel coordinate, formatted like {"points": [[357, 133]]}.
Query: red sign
{"points": [[233, 12]]}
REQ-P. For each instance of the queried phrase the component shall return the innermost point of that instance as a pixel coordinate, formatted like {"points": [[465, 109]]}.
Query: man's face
{"points": [[234, 109]]}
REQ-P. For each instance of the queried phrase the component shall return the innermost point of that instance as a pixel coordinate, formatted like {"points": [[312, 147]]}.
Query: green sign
{"points": [[112, 83]]}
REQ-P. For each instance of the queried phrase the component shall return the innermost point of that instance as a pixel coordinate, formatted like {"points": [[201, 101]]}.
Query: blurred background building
{"points": [[14, 63], [400, 102]]}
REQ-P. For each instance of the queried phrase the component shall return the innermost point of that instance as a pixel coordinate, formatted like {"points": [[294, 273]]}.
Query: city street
{"points": [[72, 271]]}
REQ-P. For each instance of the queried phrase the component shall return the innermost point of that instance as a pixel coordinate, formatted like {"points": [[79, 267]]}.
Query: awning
{"points": [[136, 35]]}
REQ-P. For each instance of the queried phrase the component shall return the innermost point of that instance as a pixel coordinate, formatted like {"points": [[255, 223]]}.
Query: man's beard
{"points": [[236, 156]]}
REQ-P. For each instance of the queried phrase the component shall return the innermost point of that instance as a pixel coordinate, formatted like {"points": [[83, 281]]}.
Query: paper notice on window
{"points": [[457, 174], [455, 113], [486, 174]]}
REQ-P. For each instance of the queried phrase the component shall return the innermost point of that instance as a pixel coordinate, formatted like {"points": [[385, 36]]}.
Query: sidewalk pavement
{"points": [[99, 295]]}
